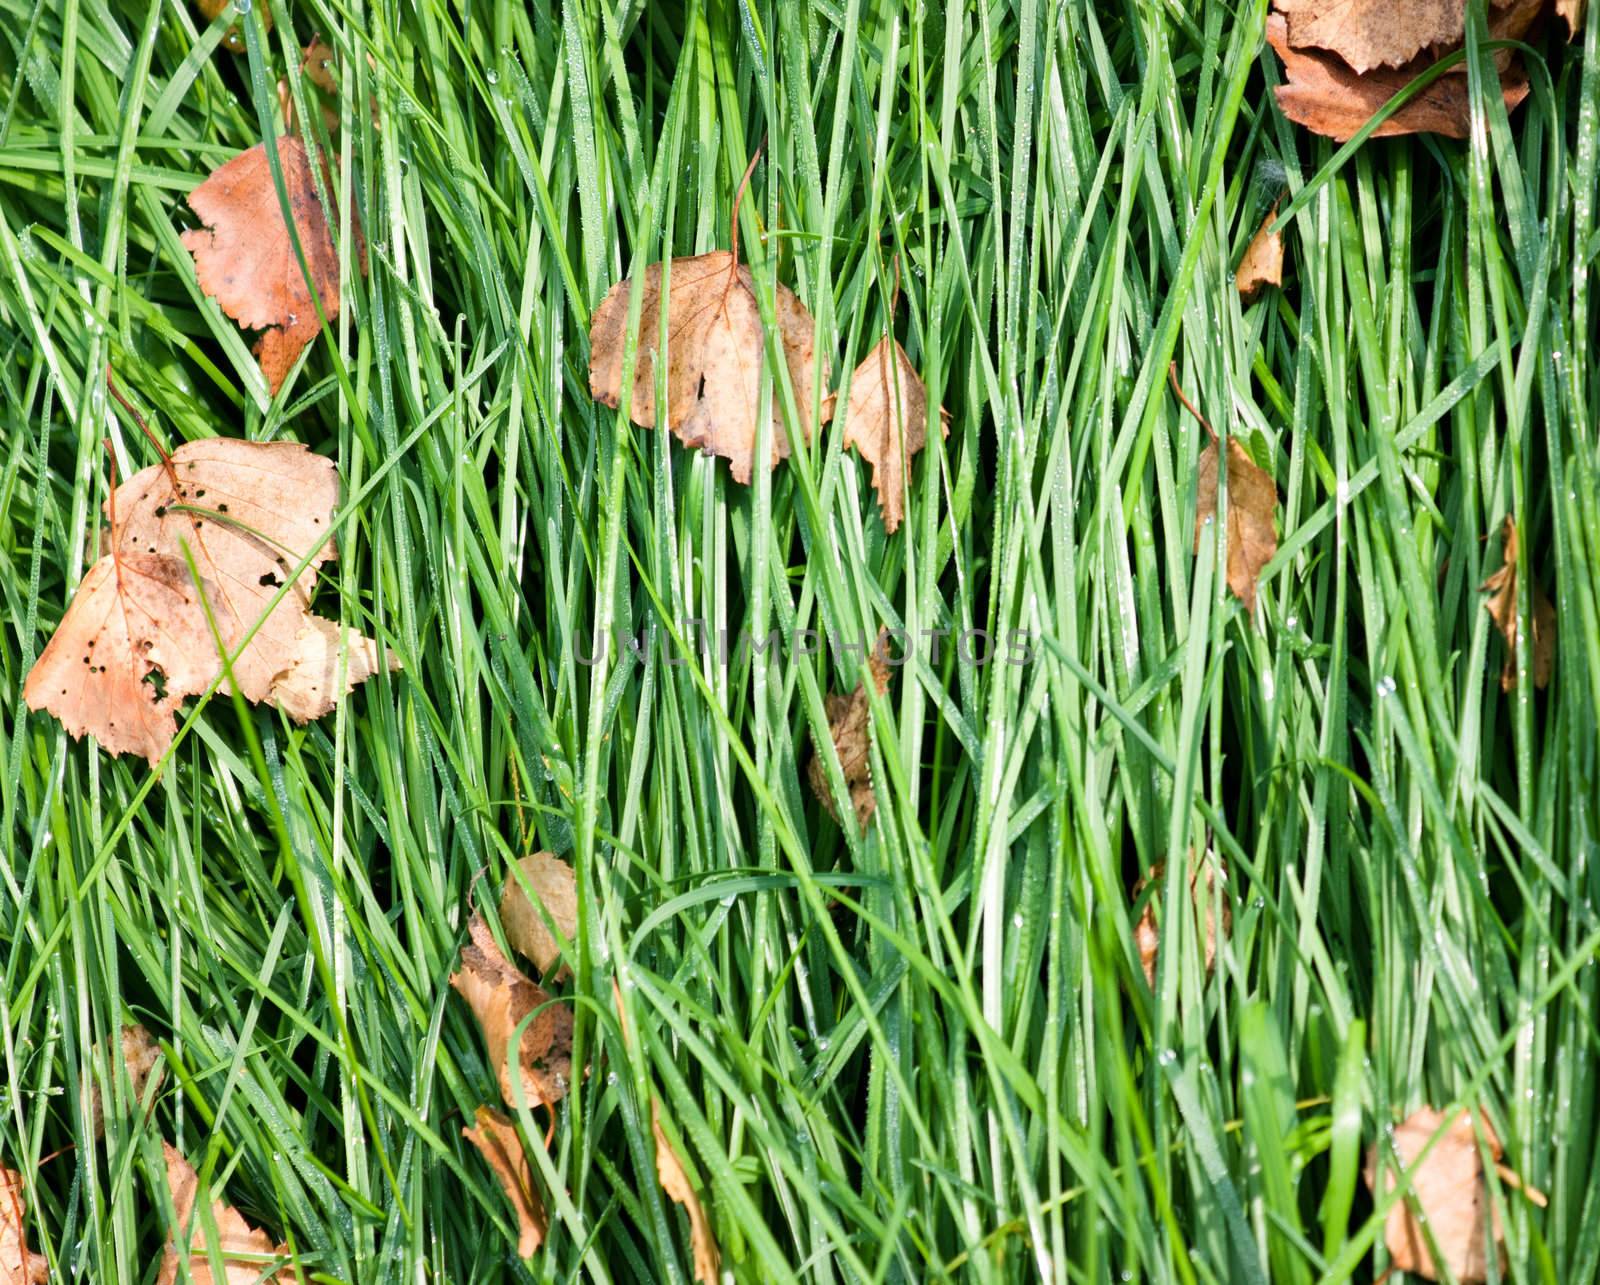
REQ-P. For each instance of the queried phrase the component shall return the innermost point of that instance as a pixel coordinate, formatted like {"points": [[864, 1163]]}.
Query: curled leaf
{"points": [[245, 260], [500, 998], [887, 421], [1502, 605], [1262, 264], [1147, 932], [675, 1182], [1326, 96], [849, 721], [496, 1138], [19, 1265], [554, 887], [715, 349], [1252, 499], [247, 1253]]}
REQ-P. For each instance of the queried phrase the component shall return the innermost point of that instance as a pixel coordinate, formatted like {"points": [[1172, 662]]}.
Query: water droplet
{"points": [[242, 6], [492, 76]]}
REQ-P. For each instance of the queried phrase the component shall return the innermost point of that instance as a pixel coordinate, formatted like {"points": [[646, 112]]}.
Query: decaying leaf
{"points": [[1252, 498], [1373, 33], [716, 345], [500, 998], [849, 720], [136, 639], [1147, 932], [245, 260], [234, 40], [1502, 605], [1262, 264], [1328, 97], [19, 1265], [675, 1182], [1451, 1192], [140, 1055], [555, 886], [496, 1137], [248, 1254], [887, 421]]}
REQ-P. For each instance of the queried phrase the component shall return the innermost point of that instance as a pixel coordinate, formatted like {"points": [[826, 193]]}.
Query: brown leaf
{"points": [[849, 720], [715, 350], [309, 686], [1450, 1190], [1262, 264], [1328, 98], [1373, 33], [500, 998], [496, 1137], [555, 886], [140, 1055], [1571, 12], [132, 644], [19, 1265], [234, 40], [245, 260], [1502, 605], [317, 65], [246, 1251], [1252, 498], [887, 421], [675, 1182], [1147, 932]]}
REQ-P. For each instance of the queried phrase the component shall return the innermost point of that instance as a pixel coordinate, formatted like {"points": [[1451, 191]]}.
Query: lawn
{"points": [[926, 1049]]}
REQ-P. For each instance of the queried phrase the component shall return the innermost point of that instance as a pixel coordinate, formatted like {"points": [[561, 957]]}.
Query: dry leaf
{"points": [[1373, 33], [1252, 498], [1503, 607], [555, 886], [849, 719], [496, 1137], [140, 1054], [247, 1252], [1147, 933], [1450, 1190], [675, 1182], [1328, 98], [317, 63], [245, 260], [1571, 12], [1262, 264], [887, 421], [234, 40], [500, 998], [310, 686], [716, 345], [19, 1265]]}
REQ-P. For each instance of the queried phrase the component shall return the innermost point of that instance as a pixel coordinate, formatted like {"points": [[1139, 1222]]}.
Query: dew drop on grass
{"points": [[492, 76], [242, 6]]}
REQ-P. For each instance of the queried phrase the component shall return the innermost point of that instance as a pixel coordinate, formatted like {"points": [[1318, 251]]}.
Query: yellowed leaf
{"points": [[245, 260], [500, 998], [1262, 264], [247, 1253], [496, 1138], [887, 421], [675, 1182], [19, 1265], [1252, 499], [1147, 932], [849, 721], [555, 887], [1502, 605], [714, 356]]}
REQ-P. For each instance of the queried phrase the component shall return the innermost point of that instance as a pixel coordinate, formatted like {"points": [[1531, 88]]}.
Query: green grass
{"points": [[927, 1053]]}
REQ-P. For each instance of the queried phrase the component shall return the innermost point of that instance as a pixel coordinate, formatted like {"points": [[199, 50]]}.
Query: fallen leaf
{"points": [[234, 40], [1329, 98], [496, 1137], [849, 720], [716, 345], [246, 1251], [1373, 33], [19, 1265], [245, 260], [675, 1182], [1262, 264], [310, 685], [500, 998], [1502, 605], [1252, 498], [555, 886], [140, 1055], [1147, 933], [1450, 1190], [1571, 12], [317, 63], [887, 421]]}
